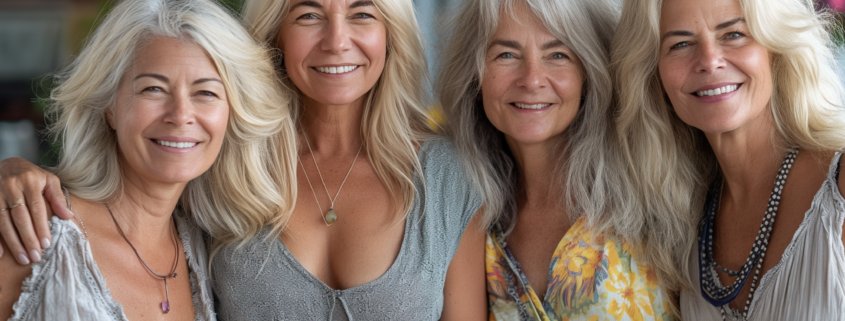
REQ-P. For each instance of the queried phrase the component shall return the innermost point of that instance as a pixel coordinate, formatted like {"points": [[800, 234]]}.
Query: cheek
{"points": [[216, 122], [374, 45]]}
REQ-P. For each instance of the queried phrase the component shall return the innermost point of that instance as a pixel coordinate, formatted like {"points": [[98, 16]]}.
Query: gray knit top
{"points": [[263, 281]]}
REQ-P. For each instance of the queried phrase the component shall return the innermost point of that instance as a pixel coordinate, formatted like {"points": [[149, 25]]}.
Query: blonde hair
{"points": [[395, 119], [672, 162], [248, 184]]}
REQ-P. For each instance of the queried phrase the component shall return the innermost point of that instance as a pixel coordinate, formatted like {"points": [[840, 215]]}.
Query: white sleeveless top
{"points": [[67, 285], [809, 281]]}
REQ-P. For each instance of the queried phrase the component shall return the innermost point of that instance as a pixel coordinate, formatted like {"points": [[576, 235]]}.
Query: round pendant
{"points": [[331, 217]]}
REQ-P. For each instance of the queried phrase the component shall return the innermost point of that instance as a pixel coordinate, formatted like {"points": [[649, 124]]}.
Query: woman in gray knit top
{"points": [[377, 230]]}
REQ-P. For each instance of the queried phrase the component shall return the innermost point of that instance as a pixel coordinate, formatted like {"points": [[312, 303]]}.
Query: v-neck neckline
{"points": [[561, 245]]}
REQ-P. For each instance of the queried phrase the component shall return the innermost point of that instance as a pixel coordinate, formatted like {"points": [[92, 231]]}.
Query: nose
{"points": [[336, 38], [533, 75], [710, 57], [179, 110]]}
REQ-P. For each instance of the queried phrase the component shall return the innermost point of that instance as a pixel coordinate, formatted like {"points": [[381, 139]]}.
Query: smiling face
{"points": [[171, 112], [334, 50], [531, 89], [716, 75]]}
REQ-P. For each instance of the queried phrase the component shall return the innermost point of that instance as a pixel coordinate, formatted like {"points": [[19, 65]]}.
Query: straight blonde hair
{"points": [[671, 162], [395, 120], [248, 186]]}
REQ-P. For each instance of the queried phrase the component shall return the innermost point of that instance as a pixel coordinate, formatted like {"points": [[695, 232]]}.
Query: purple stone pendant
{"points": [[165, 306]]}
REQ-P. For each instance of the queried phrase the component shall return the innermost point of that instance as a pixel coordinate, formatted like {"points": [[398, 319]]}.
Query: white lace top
{"points": [[67, 285], [809, 281]]}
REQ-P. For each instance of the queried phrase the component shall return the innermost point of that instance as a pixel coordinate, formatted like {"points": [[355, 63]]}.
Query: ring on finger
{"points": [[16, 205]]}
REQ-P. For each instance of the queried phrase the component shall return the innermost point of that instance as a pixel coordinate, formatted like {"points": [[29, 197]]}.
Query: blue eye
{"points": [[307, 16], [559, 55], [362, 15], [735, 35], [207, 93], [679, 45], [506, 55], [152, 89]]}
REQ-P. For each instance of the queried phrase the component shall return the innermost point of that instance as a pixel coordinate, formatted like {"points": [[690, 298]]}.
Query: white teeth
{"points": [[534, 106], [717, 91], [336, 70], [175, 144]]}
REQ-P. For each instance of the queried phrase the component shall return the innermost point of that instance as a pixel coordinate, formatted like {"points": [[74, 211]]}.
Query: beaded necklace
{"points": [[711, 288]]}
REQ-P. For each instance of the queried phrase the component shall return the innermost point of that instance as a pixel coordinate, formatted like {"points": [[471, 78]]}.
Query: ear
{"points": [[110, 117]]}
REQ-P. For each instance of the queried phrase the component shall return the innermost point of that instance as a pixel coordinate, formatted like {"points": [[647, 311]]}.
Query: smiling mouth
{"points": [[175, 144], [532, 106], [336, 70], [718, 91]]}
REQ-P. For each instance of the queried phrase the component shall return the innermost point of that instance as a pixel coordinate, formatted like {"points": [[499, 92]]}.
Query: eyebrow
{"points": [[553, 44], [729, 23], [314, 4], [515, 45], [165, 79], [506, 43], [684, 33], [356, 4]]}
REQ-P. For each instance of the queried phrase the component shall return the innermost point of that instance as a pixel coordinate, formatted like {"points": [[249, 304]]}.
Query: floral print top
{"points": [[591, 278]]}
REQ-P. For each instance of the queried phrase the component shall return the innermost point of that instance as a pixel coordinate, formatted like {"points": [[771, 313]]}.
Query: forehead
{"points": [[165, 54], [331, 5], [697, 14], [517, 19]]}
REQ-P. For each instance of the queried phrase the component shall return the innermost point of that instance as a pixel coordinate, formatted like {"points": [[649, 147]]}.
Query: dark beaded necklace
{"points": [[711, 288]]}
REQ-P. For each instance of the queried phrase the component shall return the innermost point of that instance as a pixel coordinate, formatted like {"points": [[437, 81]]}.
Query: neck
{"points": [[144, 210], [534, 164], [332, 129], [747, 157]]}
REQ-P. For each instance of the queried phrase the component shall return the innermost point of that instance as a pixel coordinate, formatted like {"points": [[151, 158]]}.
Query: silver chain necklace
{"points": [[330, 216], [711, 289]]}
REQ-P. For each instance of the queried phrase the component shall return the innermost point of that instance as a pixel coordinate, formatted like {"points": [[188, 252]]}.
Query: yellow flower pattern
{"points": [[591, 278]]}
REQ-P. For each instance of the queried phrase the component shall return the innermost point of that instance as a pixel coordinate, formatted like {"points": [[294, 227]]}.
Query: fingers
{"points": [[36, 216], [10, 235], [58, 202]]}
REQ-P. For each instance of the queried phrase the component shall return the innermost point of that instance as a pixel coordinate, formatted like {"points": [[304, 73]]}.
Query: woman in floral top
{"points": [[527, 97]]}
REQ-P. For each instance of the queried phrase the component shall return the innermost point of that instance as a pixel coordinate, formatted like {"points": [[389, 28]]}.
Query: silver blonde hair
{"points": [[672, 162], [395, 118], [248, 186]]}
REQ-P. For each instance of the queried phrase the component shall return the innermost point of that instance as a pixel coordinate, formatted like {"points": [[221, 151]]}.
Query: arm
{"points": [[27, 196], [465, 292], [10, 283]]}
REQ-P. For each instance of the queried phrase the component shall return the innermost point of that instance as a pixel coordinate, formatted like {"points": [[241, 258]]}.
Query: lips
{"points": [[531, 106], [175, 144], [337, 70], [717, 91]]}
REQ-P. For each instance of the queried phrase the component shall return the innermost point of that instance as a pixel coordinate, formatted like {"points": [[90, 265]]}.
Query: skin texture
{"points": [[362, 245], [171, 92], [527, 65], [708, 43]]}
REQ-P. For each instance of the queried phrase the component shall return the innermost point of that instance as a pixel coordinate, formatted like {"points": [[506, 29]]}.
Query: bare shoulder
{"points": [[10, 281]]}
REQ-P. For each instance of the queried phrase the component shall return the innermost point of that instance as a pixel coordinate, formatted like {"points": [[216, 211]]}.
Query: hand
{"points": [[25, 192]]}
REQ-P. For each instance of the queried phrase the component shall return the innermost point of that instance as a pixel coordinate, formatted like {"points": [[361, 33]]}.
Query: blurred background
{"points": [[39, 37]]}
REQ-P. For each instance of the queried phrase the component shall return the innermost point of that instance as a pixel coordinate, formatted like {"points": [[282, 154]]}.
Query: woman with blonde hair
{"points": [[529, 107], [384, 208], [732, 113], [154, 111]]}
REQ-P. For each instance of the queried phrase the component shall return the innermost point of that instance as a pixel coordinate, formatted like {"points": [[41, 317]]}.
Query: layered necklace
{"points": [[711, 288], [165, 305], [330, 216]]}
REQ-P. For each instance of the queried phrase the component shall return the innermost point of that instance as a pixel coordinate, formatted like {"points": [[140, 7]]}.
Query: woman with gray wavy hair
{"points": [[169, 101], [732, 114], [530, 109]]}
